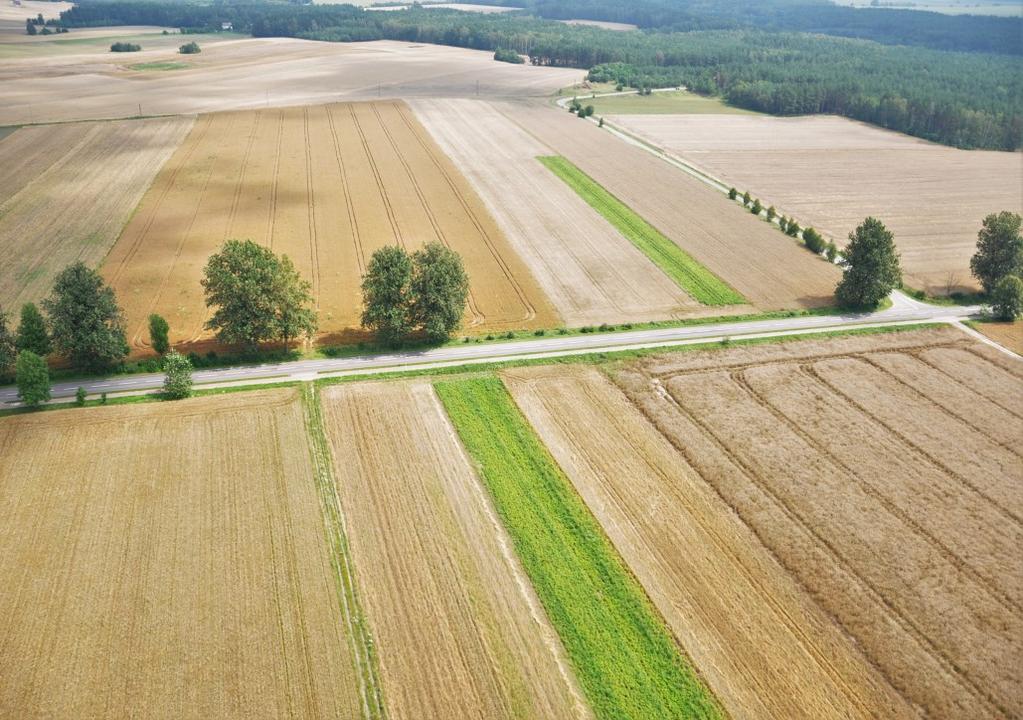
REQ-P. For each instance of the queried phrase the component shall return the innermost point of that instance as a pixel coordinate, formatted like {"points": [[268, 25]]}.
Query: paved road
{"points": [[903, 310]]}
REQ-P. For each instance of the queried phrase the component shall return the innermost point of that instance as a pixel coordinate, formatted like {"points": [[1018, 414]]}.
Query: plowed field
{"points": [[590, 271], [884, 473], [67, 191], [327, 186], [831, 173], [458, 630], [168, 561]]}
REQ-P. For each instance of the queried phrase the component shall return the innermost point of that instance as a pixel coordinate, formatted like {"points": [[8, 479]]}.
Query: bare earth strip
{"points": [[325, 185], [755, 258], [459, 632], [833, 460], [831, 173], [168, 561], [764, 647], [591, 273], [76, 207]]}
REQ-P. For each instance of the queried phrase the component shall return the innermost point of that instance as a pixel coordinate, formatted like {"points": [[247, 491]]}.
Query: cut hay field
{"points": [[677, 102], [770, 270], [831, 173], [591, 273], [883, 473], [66, 192], [168, 561], [326, 185], [457, 628], [256, 73]]}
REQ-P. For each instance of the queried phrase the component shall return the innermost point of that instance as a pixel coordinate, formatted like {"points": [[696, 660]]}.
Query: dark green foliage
{"points": [[746, 198], [33, 379], [756, 208], [8, 350], [587, 111], [159, 330], [439, 290], [733, 193], [783, 223], [30, 27], [814, 241], [508, 56], [125, 47], [999, 250], [771, 214], [831, 251], [258, 296], [190, 48], [1007, 298], [387, 295], [80, 396], [871, 267], [601, 123], [177, 383], [32, 332], [792, 228], [86, 323]]}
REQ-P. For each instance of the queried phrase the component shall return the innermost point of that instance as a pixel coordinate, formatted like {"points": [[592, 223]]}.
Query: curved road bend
{"points": [[903, 310]]}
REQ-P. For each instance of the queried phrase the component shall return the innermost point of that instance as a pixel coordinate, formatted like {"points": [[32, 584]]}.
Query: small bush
{"points": [[190, 48], [540, 333], [508, 56], [509, 335], [586, 329], [756, 208], [733, 193], [771, 214], [80, 396], [601, 123], [103, 399], [125, 47], [792, 229], [831, 251], [814, 242], [562, 331], [746, 198]]}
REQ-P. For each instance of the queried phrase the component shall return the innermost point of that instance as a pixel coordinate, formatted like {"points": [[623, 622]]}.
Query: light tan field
{"points": [[591, 273], [756, 259], [168, 561], [765, 648], [831, 173], [17, 14], [458, 630], [255, 73], [66, 192], [327, 186], [92, 45], [1007, 334], [884, 474]]}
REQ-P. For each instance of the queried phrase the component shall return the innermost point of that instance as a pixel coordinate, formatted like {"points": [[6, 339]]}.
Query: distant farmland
{"points": [[327, 186]]}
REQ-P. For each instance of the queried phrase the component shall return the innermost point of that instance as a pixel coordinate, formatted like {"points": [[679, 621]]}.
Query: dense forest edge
{"points": [[782, 57]]}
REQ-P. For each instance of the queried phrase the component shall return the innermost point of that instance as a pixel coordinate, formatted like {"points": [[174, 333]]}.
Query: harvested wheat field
{"points": [[168, 561], [591, 273], [1007, 334], [883, 473], [66, 192], [326, 185], [831, 173], [457, 628], [254, 73], [756, 259]]}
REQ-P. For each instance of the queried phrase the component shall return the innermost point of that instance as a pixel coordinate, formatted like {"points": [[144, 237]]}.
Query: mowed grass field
{"points": [[66, 192], [168, 560], [326, 185], [882, 472]]}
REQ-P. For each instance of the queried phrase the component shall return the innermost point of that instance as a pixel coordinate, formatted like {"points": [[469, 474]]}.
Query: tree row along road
{"points": [[903, 310]]}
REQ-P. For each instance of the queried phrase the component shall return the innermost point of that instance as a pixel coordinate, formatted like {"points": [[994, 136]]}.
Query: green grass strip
{"points": [[699, 282], [626, 661]]}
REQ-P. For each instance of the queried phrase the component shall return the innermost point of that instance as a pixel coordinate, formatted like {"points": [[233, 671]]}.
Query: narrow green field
{"points": [[626, 661], [160, 66], [699, 282]]}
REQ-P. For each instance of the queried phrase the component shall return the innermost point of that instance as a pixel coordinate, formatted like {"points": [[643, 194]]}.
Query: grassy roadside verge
{"points": [[624, 657], [696, 280]]}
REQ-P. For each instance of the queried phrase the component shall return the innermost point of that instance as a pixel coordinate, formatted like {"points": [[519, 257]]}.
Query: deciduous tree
{"points": [[999, 250], [440, 288], [32, 378], [1007, 298], [8, 350], [177, 381], [32, 332], [387, 295], [159, 332], [871, 267], [87, 324]]}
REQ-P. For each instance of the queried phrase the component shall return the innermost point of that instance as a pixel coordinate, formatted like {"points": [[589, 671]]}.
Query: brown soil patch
{"points": [[325, 185], [168, 560], [768, 268], [831, 173], [764, 647], [458, 630], [70, 192], [863, 466], [591, 273]]}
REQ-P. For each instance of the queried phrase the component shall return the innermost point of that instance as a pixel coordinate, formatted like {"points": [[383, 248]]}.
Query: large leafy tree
{"points": [[258, 296], [7, 347], [387, 295], [33, 379], [87, 324], [440, 288], [1007, 298], [999, 250], [177, 382], [32, 332], [871, 267]]}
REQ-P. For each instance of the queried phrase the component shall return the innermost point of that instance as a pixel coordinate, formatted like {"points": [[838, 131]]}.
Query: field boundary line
{"points": [[352, 219], [314, 248], [271, 210], [335, 529], [381, 189]]}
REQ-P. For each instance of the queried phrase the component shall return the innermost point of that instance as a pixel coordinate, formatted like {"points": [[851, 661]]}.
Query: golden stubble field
{"points": [[66, 192], [831, 173], [849, 509], [326, 185], [458, 630], [168, 561]]}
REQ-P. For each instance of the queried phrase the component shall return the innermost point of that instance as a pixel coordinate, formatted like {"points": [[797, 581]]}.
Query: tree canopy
{"points": [[159, 331], [87, 324], [999, 250], [387, 295], [32, 378], [32, 332], [1007, 298], [871, 267], [257, 296], [440, 288], [177, 382], [8, 351]]}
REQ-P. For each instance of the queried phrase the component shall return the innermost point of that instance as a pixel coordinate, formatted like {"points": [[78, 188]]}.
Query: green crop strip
{"points": [[626, 661], [699, 282]]}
